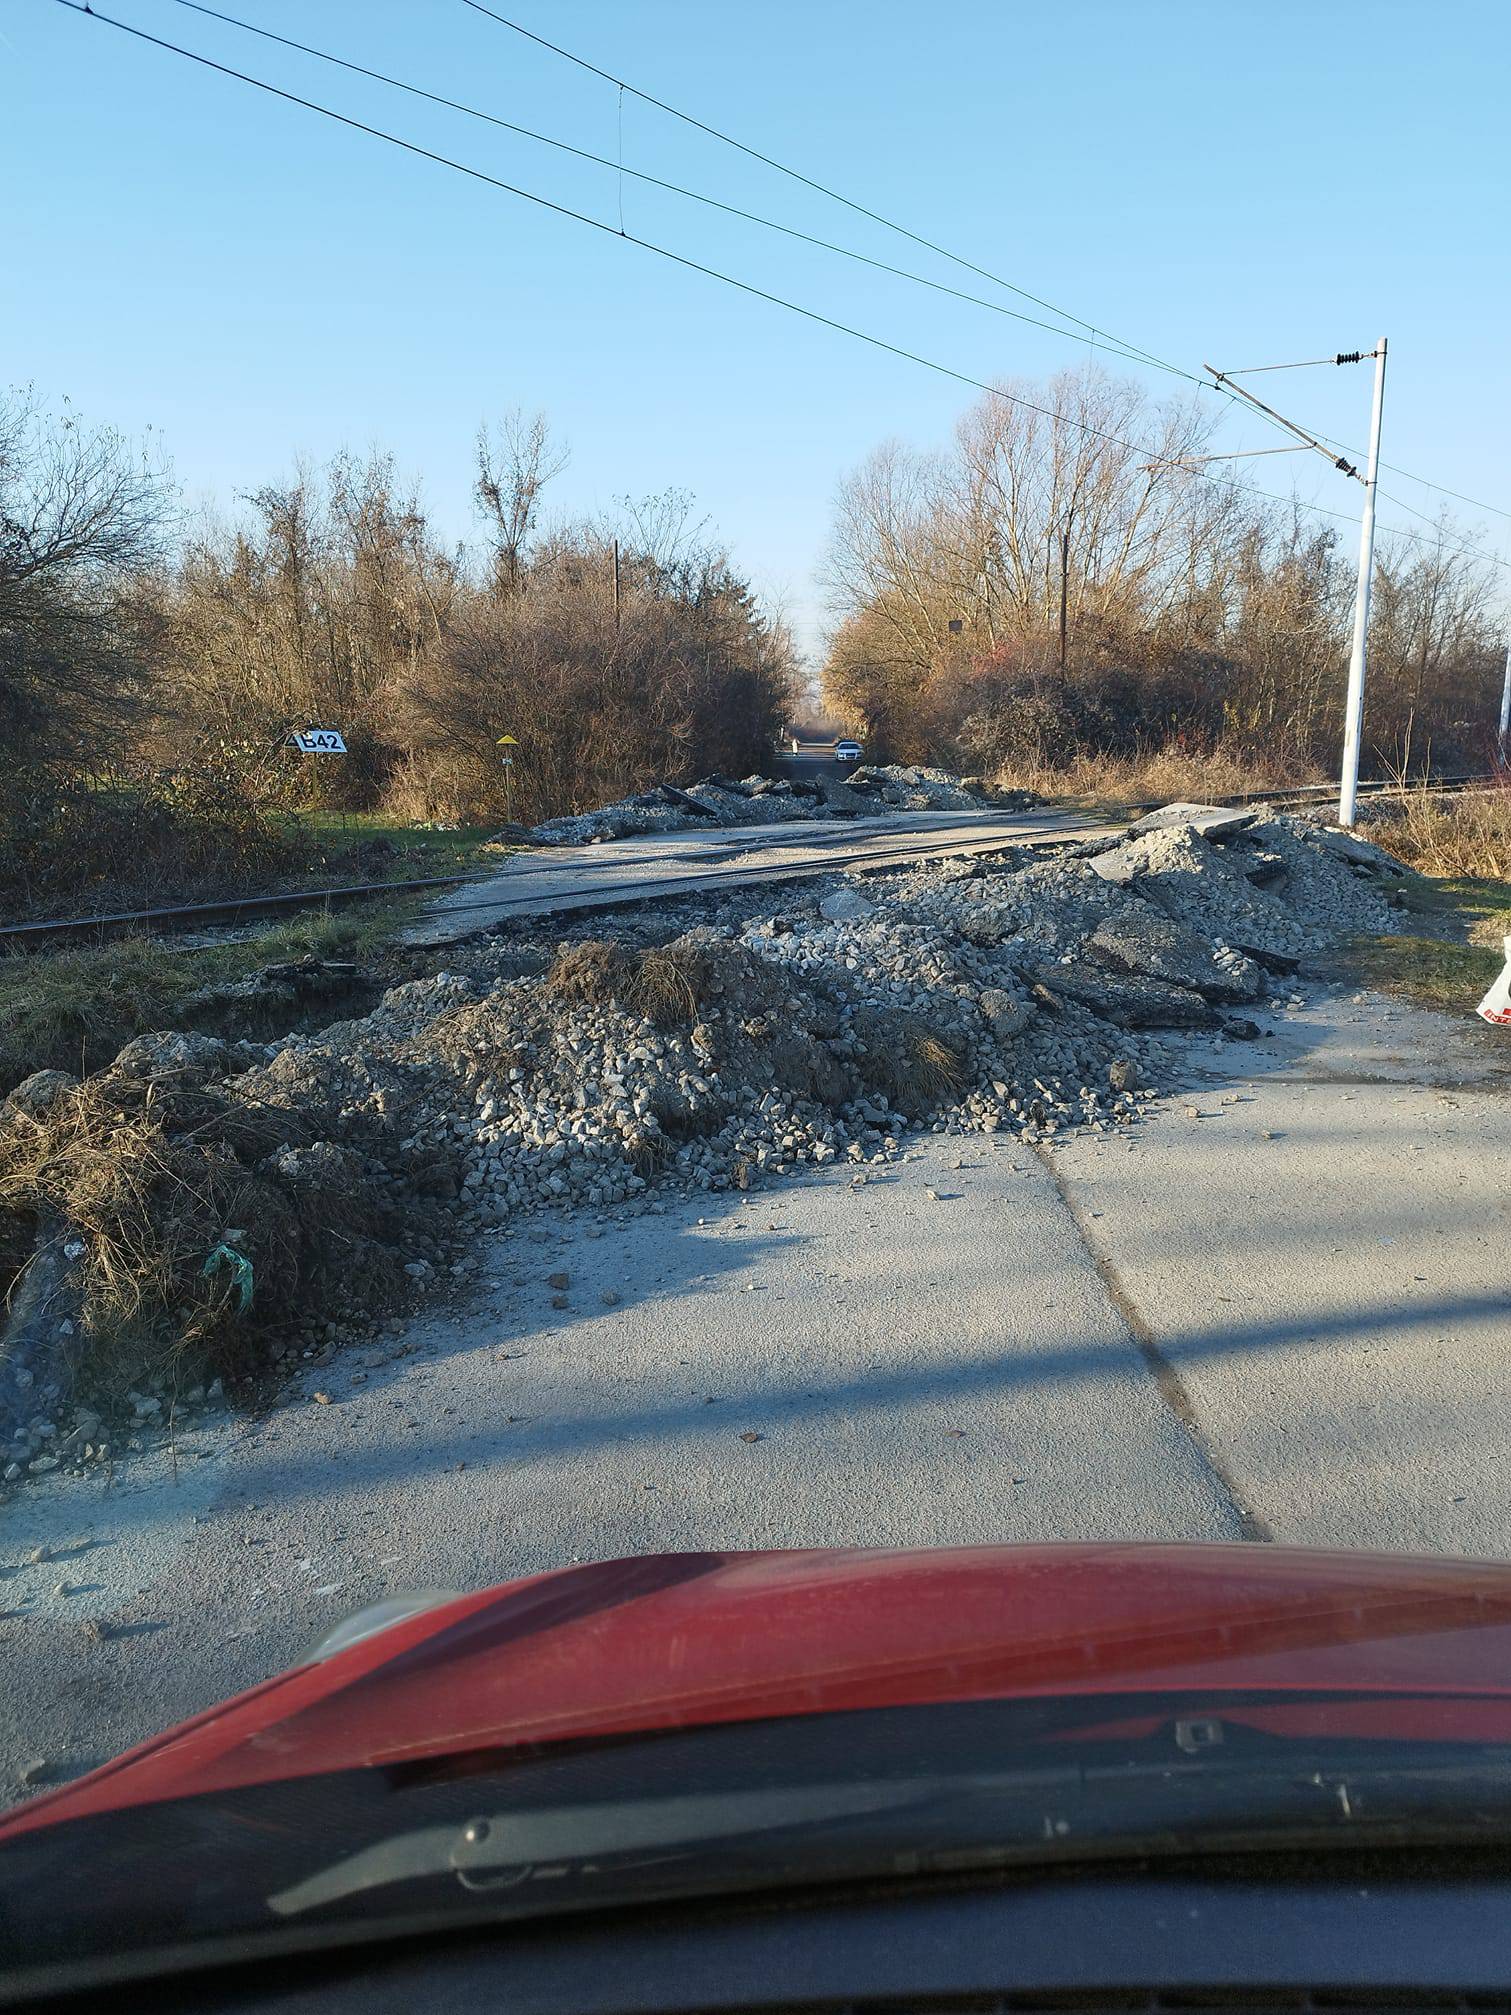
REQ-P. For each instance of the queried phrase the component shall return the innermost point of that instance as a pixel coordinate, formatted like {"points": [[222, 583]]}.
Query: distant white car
{"points": [[847, 752]]}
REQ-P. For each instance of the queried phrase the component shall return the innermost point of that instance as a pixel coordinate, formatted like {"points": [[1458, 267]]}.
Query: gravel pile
{"points": [[916, 789], [956, 995], [759, 800], [1276, 887]]}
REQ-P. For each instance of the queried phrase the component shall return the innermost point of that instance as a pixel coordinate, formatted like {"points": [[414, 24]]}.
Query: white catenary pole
{"points": [[1354, 708], [1502, 751]]}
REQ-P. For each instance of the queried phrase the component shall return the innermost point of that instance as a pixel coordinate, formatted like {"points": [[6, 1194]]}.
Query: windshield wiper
{"points": [[500, 1850], [573, 1854]]}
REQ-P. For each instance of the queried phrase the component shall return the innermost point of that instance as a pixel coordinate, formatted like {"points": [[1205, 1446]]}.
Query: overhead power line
{"points": [[1132, 352], [823, 189], [1475, 503], [1114, 346], [91, 13], [655, 181]]}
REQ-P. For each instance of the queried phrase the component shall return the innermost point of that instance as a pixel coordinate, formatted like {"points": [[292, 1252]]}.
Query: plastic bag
{"points": [[1496, 1006]]}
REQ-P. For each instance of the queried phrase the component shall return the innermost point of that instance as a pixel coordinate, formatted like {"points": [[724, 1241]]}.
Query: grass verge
{"points": [[72, 1010], [1466, 837], [388, 850], [1451, 962], [1166, 774], [1454, 977]]}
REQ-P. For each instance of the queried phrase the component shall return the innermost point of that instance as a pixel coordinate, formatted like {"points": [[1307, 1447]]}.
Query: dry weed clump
{"points": [[906, 1061], [660, 982], [201, 1221], [148, 1177], [936, 1067], [1467, 834]]}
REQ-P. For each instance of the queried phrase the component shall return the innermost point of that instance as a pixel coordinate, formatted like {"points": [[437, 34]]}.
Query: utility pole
{"points": [[1353, 712], [1501, 740], [616, 584], [1064, 595]]}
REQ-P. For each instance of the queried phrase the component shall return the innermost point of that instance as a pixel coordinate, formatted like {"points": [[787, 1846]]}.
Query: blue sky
{"points": [[1226, 183]]}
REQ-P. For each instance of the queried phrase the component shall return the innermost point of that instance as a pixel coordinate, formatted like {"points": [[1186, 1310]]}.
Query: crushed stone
{"points": [[870, 790]]}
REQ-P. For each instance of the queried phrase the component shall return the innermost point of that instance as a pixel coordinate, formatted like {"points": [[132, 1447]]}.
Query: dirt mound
{"points": [[188, 1222]]}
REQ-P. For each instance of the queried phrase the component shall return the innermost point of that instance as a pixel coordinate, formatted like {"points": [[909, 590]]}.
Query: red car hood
{"points": [[682, 1640]]}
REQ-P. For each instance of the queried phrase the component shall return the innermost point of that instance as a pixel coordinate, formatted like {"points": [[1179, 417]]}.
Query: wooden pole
{"points": [[1064, 599]]}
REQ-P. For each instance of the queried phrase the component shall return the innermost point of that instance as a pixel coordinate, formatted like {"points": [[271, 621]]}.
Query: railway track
{"points": [[34, 933]]}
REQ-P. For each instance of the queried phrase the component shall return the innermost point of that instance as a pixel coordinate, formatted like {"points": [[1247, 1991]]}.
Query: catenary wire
{"points": [[834, 196], [621, 168], [89, 12], [1131, 351], [1116, 346]]}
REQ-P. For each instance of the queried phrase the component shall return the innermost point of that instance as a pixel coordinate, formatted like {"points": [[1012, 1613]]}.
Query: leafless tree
{"points": [[516, 459], [1067, 533], [83, 515]]}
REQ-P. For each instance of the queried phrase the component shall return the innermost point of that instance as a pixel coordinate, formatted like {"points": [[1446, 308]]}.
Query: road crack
{"points": [[1167, 1379]]}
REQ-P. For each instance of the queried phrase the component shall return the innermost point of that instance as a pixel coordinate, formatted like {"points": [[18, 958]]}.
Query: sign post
{"points": [[507, 742], [319, 742]]}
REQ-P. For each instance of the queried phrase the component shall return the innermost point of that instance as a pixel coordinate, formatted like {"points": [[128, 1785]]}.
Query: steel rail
{"points": [[178, 916]]}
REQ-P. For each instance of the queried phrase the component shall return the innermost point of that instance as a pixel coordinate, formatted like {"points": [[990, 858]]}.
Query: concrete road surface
{"points": [[573, 878], [1281, 1309]]}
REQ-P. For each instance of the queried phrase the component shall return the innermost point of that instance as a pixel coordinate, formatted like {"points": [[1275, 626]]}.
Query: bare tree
{"points": [[1067, 532], [323, 604], [83, 514], [1433, 639], [516, 459], [663, 531]]}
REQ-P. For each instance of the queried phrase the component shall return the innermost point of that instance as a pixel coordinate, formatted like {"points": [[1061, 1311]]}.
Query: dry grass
{"points": [[906, 1061], [73, 1009], [936, 1068], [1464, 835], [660, 984], [147, 1170], [1167, 774], [148, 1175], [590, 974], [663, 989]]}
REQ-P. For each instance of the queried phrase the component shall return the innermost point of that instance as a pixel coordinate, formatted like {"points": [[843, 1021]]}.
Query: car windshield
{"points": [[755, 1000]]}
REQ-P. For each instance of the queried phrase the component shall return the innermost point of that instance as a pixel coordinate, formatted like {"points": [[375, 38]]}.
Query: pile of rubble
{"points": [[340, 1168], [759, 800]]}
